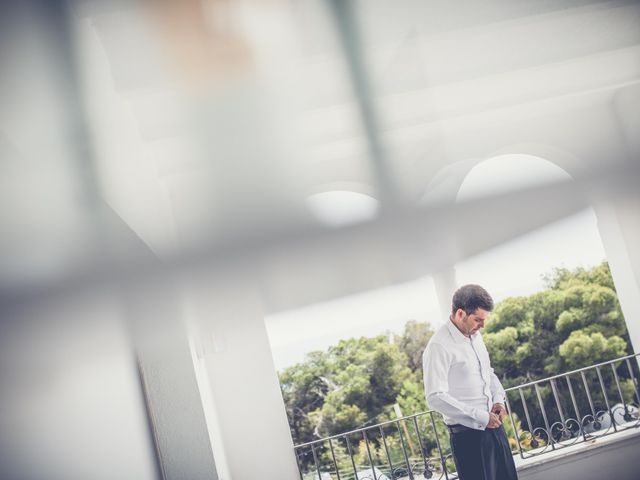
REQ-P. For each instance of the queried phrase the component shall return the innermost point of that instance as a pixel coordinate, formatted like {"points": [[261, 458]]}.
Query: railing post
{"points": [[544, 416], [366, 443], [386, 450], [515, 428], [404, 451], [588, 392], [424, 458], [353, 463], [299, 466], [333, 455], [575, 407], [635, 381], [534, 442], [442, 459], [563, 428], [624, 402], [315, 461], [606, 399]]}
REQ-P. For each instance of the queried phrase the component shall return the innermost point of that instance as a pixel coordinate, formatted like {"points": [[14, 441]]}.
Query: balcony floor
{"points": [[606, 457]]}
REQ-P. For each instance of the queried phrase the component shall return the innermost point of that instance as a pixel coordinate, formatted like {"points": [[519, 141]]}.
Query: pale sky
{"points": [[316, 327]]}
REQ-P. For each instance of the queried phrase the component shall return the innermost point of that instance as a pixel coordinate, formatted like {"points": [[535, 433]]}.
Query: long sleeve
{"points": [[436, 364], [497, 392]]}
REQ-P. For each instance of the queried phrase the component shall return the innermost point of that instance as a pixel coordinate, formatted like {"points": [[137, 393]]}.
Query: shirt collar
{"points": [[457, 335]]}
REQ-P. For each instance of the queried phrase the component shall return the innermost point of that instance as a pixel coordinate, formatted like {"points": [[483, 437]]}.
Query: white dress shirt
{"points": [[458, 379]]}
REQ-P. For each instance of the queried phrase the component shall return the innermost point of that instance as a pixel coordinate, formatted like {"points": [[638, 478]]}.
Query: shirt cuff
{"points": [[480, 419], [499, 398]]}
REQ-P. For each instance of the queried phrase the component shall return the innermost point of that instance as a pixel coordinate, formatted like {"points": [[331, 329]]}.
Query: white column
{"points": [[170, 385], [446, 285], [619, 225], [247, 420]]}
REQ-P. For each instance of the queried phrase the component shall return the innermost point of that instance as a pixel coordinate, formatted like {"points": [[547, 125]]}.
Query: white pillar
{"points": [[619, 225], [173, 398], [446, 285], [247, 420]]}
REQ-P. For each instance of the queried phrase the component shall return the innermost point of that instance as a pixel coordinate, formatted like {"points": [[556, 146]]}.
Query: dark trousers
{"points": [[483, 455]]}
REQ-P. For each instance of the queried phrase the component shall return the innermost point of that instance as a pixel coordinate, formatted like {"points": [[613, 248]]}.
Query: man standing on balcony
{"points": [[460, 384]]}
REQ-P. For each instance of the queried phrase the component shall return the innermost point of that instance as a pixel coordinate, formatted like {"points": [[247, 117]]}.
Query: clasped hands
{"points": [[496, 415]]}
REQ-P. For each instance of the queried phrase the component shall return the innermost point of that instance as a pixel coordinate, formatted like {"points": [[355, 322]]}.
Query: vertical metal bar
{"points": [[515, 428], [353, 463], [442, 459], [586, 389], [635, 381], [526, 412], [404, 450], [366, 444], [333, 455], [386, 450], [298, 462], [315, 460], [575, 407], [554, 389], [615, 377], [415, 424], [606, 398], [624, 403], [544, 416]]}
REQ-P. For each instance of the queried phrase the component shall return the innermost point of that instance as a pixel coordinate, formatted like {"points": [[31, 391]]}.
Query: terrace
{"points": [[589, 415]]}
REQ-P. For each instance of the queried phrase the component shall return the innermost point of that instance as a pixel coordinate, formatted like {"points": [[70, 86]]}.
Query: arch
{"points": [[445, 184], [508, 173], [562, 158]]}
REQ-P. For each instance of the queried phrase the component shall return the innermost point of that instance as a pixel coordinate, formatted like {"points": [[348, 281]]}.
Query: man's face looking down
{"points": [[471, 323]]}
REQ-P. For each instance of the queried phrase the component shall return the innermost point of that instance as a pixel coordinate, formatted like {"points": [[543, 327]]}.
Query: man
{"points": [[460, 384]]}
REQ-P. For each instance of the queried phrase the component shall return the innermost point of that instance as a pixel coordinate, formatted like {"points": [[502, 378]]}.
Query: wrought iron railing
{"points": [[544, 415], [576, 406]]}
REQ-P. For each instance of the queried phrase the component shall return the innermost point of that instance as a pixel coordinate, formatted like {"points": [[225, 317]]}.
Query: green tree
{"points": [[525, 334], [355, 381], [413, 341], [582, 349], [411, 398], [504, 344], [304, 389]]}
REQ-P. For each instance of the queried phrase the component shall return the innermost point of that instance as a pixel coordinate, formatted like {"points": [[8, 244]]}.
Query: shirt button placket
{"points": [[485, 390]]}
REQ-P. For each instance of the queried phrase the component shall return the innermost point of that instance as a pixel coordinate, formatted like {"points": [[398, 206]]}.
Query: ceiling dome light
{"points": [[339, 208]]}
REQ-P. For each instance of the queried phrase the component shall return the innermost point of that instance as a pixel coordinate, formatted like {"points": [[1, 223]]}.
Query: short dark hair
{"points": [[471, 297]]}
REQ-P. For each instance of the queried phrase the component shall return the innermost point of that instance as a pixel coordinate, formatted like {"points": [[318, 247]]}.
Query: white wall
{"points": [[72, 403]]}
